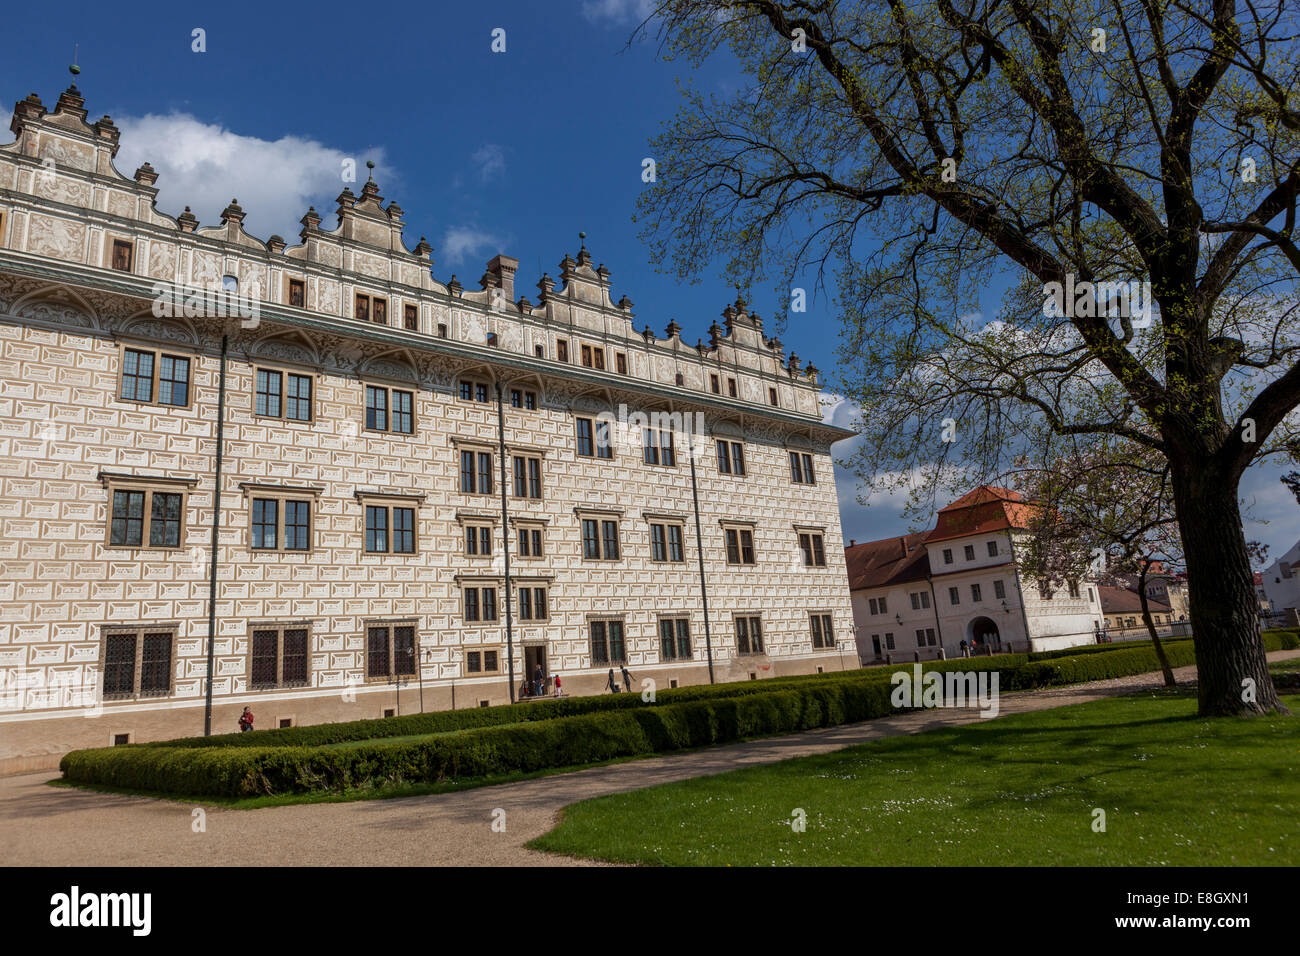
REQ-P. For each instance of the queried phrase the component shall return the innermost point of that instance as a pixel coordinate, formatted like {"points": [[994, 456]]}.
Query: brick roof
{"points": [[1123, 601]]}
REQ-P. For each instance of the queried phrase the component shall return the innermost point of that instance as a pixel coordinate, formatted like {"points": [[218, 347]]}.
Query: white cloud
{"points": [[465, 243], [617, 11], [490, 160], [204, 165]]}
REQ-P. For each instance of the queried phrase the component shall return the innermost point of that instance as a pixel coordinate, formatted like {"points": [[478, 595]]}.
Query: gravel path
{"points": [[53, 826]]}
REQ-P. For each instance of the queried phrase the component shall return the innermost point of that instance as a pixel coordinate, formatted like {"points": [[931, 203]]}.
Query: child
{"points": [[557, 685]]}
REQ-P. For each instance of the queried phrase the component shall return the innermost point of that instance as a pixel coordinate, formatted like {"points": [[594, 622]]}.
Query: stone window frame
{"points": [[407, 306], [370, 298], [480, 585], [477, 447], [749, 618], [532, 585], [674, 617], [593, 357], [802, 470], [111, 241], [530, 525], [820, 624], [482, 652], [253, 490], [665, 519], [652, 440], [391, 501], [116, 481], [475, 384], [601, 516], [606, 619], [562, 350], [527, 457], [609, 445], [741, 527], [158, 352], [3, 220], [816, 534], [285, 371], [289, 282], [107, 631], [731, 446], [279, 627], [392, 624], [526, 395], [389, 389]]}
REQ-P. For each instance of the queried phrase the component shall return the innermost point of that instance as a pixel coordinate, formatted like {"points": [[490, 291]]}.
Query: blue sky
{"points": [[512, 152]]}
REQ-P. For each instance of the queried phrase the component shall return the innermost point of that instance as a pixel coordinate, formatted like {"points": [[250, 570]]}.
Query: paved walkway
{"points": [[53, 826]]}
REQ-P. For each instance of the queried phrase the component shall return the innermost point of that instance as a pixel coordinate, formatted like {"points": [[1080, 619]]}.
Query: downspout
{"points": [[216, 527], [505, 543]]}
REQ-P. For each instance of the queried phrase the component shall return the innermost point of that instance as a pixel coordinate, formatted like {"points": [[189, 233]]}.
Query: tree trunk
{"points": [[1151, 626], [1232, 670]]}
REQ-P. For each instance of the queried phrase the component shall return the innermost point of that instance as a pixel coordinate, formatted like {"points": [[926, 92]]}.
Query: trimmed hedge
{"points": [[521, 741]]}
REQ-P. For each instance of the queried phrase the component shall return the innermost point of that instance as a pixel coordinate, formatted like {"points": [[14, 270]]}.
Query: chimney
{"points": [[852, 542], [501, 270]]}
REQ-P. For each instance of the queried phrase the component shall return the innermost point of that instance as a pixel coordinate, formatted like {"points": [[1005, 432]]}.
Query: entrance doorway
{"points": [[875, 644], [985, 632], [534, 658]]}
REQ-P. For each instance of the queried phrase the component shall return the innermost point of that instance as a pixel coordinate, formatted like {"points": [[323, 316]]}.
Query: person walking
{"points": [[627, 678], [539, 681], [965, 649], [611, 683], [246, 721]]}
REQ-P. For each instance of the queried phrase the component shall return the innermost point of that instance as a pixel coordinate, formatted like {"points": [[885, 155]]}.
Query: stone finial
{"points": [[775, 345], [394, 212], [812, 372], [602, 272], [544, 286], [146, 175], [625, 304], [233, 213], [672, 329], [454, 287], [71, 101], [30, 109], [187, 221], [370, 192], [108, 130], [347, 198], [524, 306], [311, 220], [648, 334], [793, 363], [753, 317], [423, 249], [276, 244], [715, 335]]}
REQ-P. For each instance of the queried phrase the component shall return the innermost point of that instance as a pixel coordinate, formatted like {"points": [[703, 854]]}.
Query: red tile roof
{"points": [[981, 511], [889, 561], [1123, 601]]}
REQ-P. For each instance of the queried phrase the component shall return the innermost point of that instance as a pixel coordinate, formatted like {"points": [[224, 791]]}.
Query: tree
{"points": [[1074, 156]]}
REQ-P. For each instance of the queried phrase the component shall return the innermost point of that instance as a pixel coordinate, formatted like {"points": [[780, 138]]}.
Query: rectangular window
{"points": [[999, 589], [969, 551], [872, 607], [410, 318], [282, 395], [381, 401], [532, 604], [146, 374], [298, 293], [823, 632], [372, 308], [666, 543], [478, 540], [740, 546], [976, 593], [607, 644], [731, 387], [801, 468], [713, 385], [562, 350], [390, 651], [480, 604], [731, 458], [476, 472], [657, 446], [281, 524], [278, 657], [376, 529], [269, 393], [674, 639], [947, 555], [925, 637], [814, 551], [1073, 587], [528, 477], [889, 642], [471, 391], [749, 635], [530, 542], [594, 438], [145, 517], [993, 549], [123, 255], [771, 396], [137, 663], [954, 596], [620, 363], [483, 661], [600, 540]]}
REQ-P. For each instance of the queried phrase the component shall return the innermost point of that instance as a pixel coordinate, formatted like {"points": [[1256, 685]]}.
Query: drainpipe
{"points": [[216, 528], [934, 605], [505, 543], [699, 551]]}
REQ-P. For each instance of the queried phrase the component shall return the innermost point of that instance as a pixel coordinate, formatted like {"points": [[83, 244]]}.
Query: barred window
{"points": [[749, 635], [137, 663], [278, 657], [390, 651], [485, 661]]}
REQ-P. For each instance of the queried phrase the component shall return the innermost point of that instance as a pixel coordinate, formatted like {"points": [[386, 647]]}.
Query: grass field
{"points": [[1020, 790]]}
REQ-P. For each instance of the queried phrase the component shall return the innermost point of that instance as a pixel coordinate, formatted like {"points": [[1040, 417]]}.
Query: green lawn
{"points": [[1019, 790]]}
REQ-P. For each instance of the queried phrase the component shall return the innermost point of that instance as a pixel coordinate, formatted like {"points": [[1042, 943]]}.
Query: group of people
{"points": [[536, 687]]}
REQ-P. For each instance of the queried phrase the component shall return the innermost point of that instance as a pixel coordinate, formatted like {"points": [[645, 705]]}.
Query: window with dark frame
{"points": [[749, 635], [475, 472], [286, 395], [562, 350], [137, 663], [814, 550], [620, 363], [278, 657], [480, 604], [147, 373], [371, 308], [969, 552], [527, 477], [999, 589], [993, 549], [532, 604], [483, 661], [410, 318], [390, 410], [771, 396], [823, 632], [674, 639], [390, 651], [740, 546], [801, 468], [657, 447], [281, 524], [298, 293], [123, 255], [607, 643], [530, 542], [140, 515], [390, 528]]}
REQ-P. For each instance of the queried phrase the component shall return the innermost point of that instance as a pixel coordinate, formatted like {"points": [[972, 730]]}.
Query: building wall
{"points": [[64, 318]]}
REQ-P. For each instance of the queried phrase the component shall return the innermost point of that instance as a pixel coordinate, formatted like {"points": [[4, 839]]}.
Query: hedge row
{"points": [[532, 746], [625, 727]]}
